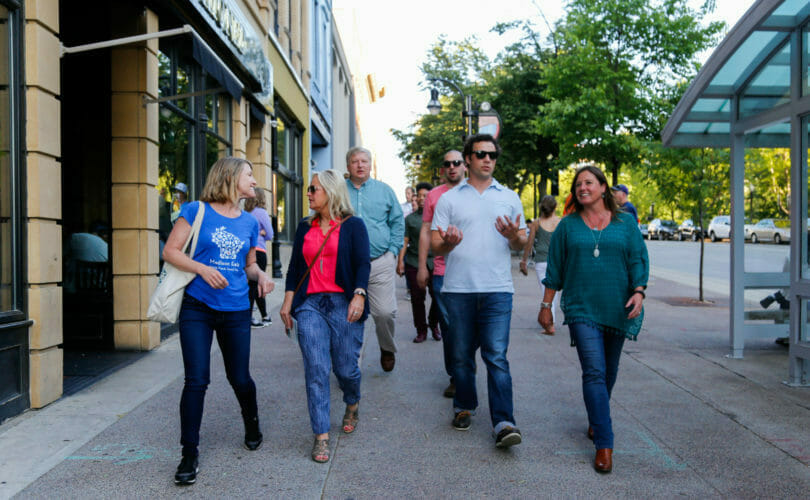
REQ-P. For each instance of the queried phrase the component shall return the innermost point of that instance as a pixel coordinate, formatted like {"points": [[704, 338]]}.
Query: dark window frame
{"points": [[16, 88]]}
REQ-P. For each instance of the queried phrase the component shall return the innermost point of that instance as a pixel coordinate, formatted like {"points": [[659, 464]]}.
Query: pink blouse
{"points": [[322, 275]]}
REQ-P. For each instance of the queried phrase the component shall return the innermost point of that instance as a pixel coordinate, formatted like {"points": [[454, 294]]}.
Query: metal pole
{"points": [[468, 114]]}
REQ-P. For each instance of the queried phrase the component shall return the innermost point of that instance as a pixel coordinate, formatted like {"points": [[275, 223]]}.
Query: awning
{"points": [[201, 52], [215, 68], [751, 65]]}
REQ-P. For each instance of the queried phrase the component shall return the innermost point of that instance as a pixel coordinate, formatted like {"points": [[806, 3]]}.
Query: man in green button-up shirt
{"points": [[376, 203]]}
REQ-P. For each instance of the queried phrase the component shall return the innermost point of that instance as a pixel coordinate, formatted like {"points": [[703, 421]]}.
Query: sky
{"points": [[391, 40]]}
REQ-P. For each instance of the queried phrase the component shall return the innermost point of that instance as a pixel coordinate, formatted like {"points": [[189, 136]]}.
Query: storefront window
{"points": [[194, 131], [9, 162], [289, 172]]}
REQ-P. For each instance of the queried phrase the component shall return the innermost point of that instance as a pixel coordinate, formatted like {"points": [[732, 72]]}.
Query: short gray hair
{"points": [[334, 186], [357, 149]]}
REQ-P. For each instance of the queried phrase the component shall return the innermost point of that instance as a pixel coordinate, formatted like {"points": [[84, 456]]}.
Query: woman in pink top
{"points": [[326, 288]]}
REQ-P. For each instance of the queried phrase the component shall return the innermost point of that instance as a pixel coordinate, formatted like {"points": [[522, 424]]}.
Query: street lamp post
{"points": [[434, 106]]}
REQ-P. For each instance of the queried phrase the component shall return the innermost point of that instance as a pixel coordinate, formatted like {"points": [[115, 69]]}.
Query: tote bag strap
{"points": [[195, 230], [328, 234]]}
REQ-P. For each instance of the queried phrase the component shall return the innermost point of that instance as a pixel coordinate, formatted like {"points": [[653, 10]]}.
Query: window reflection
{"points": [[7, 159]]}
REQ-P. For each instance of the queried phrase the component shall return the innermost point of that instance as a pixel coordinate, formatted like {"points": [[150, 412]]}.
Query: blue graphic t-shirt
{"points": [[224, 245]]}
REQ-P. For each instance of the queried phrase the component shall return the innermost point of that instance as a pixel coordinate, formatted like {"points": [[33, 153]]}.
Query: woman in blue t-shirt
{"points": [[217, 300]]}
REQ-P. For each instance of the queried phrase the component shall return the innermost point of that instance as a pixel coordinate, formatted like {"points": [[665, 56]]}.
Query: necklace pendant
{"points": [[596, 252]]}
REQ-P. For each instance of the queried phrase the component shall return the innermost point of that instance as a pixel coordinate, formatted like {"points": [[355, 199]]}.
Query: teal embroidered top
{"points": [[595, 289]]}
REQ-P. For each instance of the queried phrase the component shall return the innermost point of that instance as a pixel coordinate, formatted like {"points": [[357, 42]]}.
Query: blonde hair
{"points": [[334, 186], [221, 183], [258, 201]]}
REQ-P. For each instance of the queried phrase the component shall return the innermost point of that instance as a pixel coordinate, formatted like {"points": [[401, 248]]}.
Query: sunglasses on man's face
{"points": [[313, 189], [493, 155], [455, 163]]}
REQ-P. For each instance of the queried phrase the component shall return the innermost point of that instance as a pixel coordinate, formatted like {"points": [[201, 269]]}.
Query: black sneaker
{"points": [[253, 436], [267, 321], [186, 471], [509, 436], [462, 421]]}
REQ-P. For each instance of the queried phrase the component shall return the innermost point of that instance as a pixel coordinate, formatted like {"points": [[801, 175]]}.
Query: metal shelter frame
{"points": [[754, 91]]}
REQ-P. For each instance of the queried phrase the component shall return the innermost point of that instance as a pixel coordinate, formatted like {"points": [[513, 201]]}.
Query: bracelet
{"points": [[643, 295]]}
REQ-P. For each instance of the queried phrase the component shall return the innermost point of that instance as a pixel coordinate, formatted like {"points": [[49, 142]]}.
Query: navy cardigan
{"points": [[353, 262]]}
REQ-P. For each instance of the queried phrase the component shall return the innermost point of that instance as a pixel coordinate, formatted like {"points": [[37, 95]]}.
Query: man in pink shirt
{"points": [[454, 168]]}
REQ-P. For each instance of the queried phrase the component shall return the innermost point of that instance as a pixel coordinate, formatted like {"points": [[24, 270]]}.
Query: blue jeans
{"points": [[328, 343], [447, 342], [482, 319], [599, 353], [197, 325]]}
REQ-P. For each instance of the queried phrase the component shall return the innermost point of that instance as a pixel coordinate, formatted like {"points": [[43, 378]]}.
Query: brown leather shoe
{"points": [[437, 335], [420, 337], [604, 460], [590, 433], [387, 360]]}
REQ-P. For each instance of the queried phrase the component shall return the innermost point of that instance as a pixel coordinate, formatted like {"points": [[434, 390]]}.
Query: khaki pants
{"points": [[382, 300]]}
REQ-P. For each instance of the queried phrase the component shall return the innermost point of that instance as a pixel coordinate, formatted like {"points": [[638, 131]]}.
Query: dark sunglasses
{"points": [[493, 155], [312, 189], [455, 163]]}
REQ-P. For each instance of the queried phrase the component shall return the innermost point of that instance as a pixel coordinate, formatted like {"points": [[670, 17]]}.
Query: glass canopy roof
{"points": [[752, 64]]}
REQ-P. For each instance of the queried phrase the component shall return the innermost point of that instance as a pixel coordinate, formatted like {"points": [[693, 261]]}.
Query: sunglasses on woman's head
{"points": [[493, 155], [455, 163]]}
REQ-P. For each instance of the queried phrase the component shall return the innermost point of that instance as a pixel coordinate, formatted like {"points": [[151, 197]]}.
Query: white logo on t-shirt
{"points": [[229, 245]]}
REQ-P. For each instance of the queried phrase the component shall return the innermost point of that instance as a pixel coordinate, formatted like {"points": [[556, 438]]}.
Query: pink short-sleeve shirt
{"points": [[427, 216]]}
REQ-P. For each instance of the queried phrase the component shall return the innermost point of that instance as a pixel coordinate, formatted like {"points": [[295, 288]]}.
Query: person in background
{"points": [[408, 204], [620, 192], [217, 300], [257, 208], [476, 226], [326, 285], [179, 199], [407, 265], [598, 258], [540, 231], [454, 169], [375, 203]]}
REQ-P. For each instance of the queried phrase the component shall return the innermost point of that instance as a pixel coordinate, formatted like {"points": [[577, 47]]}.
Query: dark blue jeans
{"points": [[197, 325], [599, 353], [447, 342], [482, 319]]}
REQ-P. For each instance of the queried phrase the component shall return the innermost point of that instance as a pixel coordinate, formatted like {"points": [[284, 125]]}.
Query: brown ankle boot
{"points": [[604, 460]]}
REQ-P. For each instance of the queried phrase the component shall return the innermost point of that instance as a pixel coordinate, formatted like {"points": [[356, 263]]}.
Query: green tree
{"points": [[694, 179], [613, 60], [510, 84], [431, 136]]}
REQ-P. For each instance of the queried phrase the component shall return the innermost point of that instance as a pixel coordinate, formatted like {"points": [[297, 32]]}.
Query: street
{"points": [[679, 261]]}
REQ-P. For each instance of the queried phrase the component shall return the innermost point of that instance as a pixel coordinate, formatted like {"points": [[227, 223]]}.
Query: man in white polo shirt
{"points": [[474, 226]]}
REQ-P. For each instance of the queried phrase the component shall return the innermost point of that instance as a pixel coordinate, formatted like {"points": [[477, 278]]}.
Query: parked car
{"points": [[644, 233], [720, 227], [662, 229], [776, 230], [689, 231]]}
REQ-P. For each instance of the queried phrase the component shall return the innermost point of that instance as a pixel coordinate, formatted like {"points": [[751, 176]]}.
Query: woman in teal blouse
{"points": [[598, 258]]}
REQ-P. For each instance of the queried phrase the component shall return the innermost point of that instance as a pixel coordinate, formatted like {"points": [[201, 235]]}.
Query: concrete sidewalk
{"points": [[688, 422]]}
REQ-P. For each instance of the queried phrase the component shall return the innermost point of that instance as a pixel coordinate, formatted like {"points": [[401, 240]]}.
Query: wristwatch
{"points": [[359, 291], [545, 305]]}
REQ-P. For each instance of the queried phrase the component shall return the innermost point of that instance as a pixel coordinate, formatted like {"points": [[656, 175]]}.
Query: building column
{"points": [[240, 111], [43, 200], [259, 153], [135, 260]]}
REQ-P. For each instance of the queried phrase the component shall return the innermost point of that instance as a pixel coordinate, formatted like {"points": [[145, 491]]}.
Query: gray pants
{"points": [[382, 300]]}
